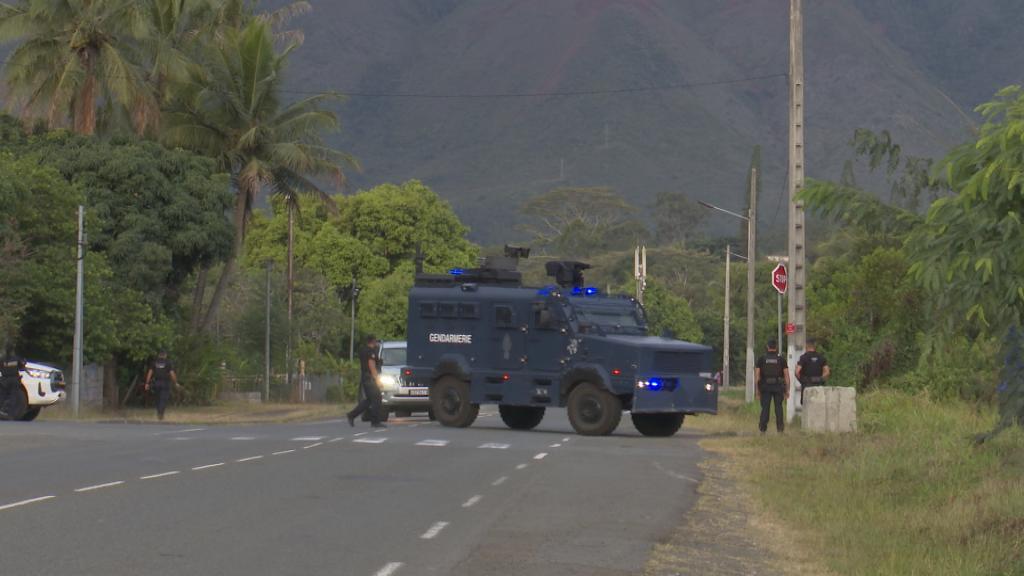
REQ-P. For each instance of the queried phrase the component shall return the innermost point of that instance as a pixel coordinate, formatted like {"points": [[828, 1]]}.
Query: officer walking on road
{"points": [[772, 376], [10, 385], [369, 382], [160, 377], [812, 369]]}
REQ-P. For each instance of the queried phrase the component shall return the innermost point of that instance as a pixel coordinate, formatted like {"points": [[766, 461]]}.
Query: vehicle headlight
{"points": [[41, 374], [388, 381]]}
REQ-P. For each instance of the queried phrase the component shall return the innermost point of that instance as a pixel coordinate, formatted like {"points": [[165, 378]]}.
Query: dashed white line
{"points": [[312, 445], [556, 445], [433, 531], [566, 439], [243, 437], [24, 502], [494, 446], [540, 456], [307, 438], [183, 438], [249, 459], [389, 569], [499, 481], [432, 443], [205, 466], [283, 452], [160, 475], [99, 486], [472, 501], [521, 466], [191, 430], [361, 433], [338, 439], [377, 440]]}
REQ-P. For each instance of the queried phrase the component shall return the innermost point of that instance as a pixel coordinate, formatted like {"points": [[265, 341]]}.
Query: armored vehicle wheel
{"points": [[594, 411], [450, 400], [430, 415], [31, 414], [521, 417], [657, 424], [14, 406], [403, 413]]}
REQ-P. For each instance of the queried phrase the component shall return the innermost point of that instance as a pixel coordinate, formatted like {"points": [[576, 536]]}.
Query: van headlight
{"points": [[388, 381]]}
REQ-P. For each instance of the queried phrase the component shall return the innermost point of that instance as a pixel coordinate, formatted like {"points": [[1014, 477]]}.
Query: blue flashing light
{"points": [[547, 290], [591, 291], [456, 271], [577, 291], [654, 384]]}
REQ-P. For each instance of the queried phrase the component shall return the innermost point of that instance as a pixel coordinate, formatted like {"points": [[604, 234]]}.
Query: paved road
{"points": [[323, 498]]}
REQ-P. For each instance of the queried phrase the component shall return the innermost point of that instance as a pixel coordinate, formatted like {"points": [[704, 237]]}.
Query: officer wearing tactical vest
{"points": [[159, 378], [812, 369], [772, 377], [12, 399]]}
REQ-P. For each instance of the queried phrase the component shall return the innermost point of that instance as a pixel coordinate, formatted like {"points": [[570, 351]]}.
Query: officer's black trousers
{"points": [[767, 397], [163, 394], [371, 400]]}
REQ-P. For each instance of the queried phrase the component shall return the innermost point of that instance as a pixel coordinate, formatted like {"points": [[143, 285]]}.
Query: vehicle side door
{"points": [[508, 343]]}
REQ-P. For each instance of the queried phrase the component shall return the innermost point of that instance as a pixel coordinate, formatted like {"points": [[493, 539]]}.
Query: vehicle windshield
{"points": [[619, 319], [393, 356]]}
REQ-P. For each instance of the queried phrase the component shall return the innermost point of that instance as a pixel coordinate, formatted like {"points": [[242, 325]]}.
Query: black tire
{"points": [[593, 411], [658, 424], [30, 414], [430, 415], [449, 398], [403, 413], [521, 417], [384, 413], [15, 405]]}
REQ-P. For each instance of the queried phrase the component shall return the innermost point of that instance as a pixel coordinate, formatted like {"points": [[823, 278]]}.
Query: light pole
{"points": [[751, 220], [266, 343], [725, 331], [77, 343]]}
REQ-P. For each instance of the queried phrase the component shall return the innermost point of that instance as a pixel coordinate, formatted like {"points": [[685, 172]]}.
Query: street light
{"points": [[751, 220]]}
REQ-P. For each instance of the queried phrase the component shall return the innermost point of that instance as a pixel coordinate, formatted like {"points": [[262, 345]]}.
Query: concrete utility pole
{"points": [[266, 343], [751, 265], [76, 360], [797, 303], [725, 332], [352, 332]]}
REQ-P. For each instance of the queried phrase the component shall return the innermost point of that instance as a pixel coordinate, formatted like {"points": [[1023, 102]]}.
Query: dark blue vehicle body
{"points": [[530, 347]]}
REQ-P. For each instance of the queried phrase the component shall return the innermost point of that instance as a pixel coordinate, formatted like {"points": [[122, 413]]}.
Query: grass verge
{"points": [[908, 494], [221, 413]]}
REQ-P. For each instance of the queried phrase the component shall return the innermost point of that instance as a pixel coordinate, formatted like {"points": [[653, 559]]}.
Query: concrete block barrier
{"points": [[830, 409]]}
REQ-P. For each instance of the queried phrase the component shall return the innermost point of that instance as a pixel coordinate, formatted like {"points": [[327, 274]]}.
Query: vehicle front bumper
{"points": [[406, 399], [690, 395]]}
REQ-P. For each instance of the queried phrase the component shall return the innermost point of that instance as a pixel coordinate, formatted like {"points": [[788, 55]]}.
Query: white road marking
{"points": [[204, 467], [249, 459], [282, 452], [183, 438], [193, 430], [472, 501], [540, 456], [160, 475], [499, 481], [23, 502], [361, 433], [338, 439], [389, 569], [377, 440], [495, 446], [566, 439], [520, 466], [243, 437], [312, 445], [178, 431], [307, 438], [556, 445], [98, 486], [433, 531], [432, 443], [676, 475]]}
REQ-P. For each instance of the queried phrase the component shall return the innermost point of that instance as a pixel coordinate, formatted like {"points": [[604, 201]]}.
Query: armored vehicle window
{"points": [[543, 318], [428, 310], [446, 309], [468, 311], [503, 316]]}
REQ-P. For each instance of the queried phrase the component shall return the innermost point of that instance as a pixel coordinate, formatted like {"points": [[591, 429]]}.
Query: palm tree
{"points": [[75, 57], [234, 112]]}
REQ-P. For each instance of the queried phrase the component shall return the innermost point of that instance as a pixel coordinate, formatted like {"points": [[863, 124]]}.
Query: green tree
{"points": [[669, 312], [677, 219], [76, 57], [234, 112], [579, 222]]}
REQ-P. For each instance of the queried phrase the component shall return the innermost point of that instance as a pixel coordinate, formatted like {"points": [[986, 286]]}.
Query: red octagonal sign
{"points": [[780, 278]]}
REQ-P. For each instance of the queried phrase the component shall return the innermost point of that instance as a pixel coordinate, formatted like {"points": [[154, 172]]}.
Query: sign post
{"points": [[780, 281]]}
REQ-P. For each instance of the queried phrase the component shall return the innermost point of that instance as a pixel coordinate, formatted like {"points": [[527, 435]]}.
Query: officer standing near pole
{"points": [[772, 376], [812, 369], [12, 400], [369, 382], [159, 378]]}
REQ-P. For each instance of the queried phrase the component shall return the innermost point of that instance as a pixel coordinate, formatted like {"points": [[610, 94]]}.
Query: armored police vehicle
{"points": [[478, 336]]}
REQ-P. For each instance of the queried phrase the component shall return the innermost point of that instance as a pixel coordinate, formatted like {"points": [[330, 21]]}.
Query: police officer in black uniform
{"points": [[12, 398], [369, 382], [772, 376], [812, 369], [160, 377]]}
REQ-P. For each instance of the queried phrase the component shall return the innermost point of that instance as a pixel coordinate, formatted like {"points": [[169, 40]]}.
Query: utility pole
{"points": [[352, 333], [797, 303], [76, 360], [266, 342], [751, 265], [640, 271], [725, 332]]}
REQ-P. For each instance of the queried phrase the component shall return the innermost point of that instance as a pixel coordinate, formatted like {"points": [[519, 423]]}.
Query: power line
{"points": [[554, 94]]}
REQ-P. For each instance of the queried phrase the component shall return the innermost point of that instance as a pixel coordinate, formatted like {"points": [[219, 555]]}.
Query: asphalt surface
{"points": [[324, 498]]}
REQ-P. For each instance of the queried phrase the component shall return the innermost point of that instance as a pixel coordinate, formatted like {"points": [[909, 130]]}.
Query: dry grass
{"points": [[223, 413]]}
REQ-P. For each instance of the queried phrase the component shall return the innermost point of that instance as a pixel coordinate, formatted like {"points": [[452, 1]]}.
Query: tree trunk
{"points": [[84, 113], [198, 296], [111, 396], [241, 211]]}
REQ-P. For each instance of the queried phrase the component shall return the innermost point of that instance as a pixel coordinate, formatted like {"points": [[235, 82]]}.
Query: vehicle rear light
{"points": [[505, 377], [407, 372], [616, 372]]}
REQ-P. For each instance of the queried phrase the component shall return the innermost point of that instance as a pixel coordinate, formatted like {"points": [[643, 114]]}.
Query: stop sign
{"points": [[780, 278]]}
